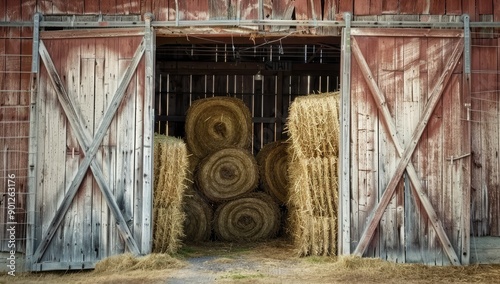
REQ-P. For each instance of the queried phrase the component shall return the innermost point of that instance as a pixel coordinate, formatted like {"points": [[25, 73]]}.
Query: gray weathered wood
{"points": [[406, 154], [147, 164], [344, 161], [84, 137]]}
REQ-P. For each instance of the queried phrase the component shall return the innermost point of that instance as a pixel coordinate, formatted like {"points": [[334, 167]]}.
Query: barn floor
{"points": [[271, 262]]}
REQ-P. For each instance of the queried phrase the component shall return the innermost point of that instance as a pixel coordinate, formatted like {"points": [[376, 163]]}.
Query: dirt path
{"points": [[272, 262]]}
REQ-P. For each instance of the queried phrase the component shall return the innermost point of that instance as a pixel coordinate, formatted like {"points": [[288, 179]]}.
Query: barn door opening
{"points": [[93, 139], [409, 159]]}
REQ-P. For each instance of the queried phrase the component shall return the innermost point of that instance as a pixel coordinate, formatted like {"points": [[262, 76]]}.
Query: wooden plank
{"points": [[435, 158], [99, 208], [346, 6], [390, 7], [147, 143], [53, 165], [86, 101], [479, 214], [282, 10], [361, 7], [91, 33], [406, 122], [163, 10], [108, 7], [406, 155], [453, 7], [390, 32], [218, 10], [390, 248], [485, 7], [490, 138], [91, 7], [437, 7], [344, 212], [357, 91]]}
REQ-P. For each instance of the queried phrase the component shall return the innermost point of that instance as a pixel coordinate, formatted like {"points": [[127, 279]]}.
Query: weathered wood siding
{"points": [[485, 193], [406, 75], [15, 75], [92, 73]]}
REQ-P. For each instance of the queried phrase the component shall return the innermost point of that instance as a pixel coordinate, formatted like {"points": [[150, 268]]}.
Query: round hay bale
{"points": [[227, 174], [253, 217], [273, 167], [216, 123], [199, 215]]}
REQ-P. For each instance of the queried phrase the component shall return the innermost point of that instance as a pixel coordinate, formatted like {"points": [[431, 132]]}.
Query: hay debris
{"points": [[254, 217], [127, 262], [227, 174], [273, 167], [171, 164], [217, 123]]}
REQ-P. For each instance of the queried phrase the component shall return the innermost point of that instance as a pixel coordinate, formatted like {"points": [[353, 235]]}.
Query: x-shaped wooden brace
{"points": [[405, 154], [90, 147]]}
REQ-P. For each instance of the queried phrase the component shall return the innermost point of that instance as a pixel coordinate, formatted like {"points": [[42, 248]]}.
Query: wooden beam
{"points": [[406, 153], [92, 33], [89, 150], [390, 32]]}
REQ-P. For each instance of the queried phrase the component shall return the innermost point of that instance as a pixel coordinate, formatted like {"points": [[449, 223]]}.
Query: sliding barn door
{"points": [[94, 134], [409, 146]]}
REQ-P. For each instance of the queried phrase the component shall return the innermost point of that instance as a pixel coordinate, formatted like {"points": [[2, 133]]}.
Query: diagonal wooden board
{"points": [[90, 147], [405, 154]]}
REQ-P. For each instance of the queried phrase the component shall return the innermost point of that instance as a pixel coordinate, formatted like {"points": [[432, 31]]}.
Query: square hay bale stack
{"points": [[313, 126], [170, 169]]}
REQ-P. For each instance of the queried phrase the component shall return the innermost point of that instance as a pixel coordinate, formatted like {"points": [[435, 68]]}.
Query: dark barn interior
{"points": [[266, 73]]}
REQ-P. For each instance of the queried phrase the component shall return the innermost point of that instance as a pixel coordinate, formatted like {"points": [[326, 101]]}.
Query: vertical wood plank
{"points": [[387, 70], [453, 7], [109, 232], [218, 9], [361, 7], [437, 7], [479, 221], [390, 7], [470, 8], [420, 161], [99, 213], [346, 6], [435, 140], [91, 7], [406, 122], [357, 87], [71, 75], [108, 7], [86, 102], [485, 7], [490, 142]]}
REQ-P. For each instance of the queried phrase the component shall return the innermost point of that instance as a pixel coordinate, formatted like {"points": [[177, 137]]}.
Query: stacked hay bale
{"points": [[170, 168], [313, 125], [218, 134]]}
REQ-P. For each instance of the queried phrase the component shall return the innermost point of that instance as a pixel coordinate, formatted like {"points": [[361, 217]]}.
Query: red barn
{"points": [[84, 85]]}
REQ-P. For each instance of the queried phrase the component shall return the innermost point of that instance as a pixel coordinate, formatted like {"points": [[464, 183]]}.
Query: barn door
{"points": [[409, 147], [94, 135]]}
